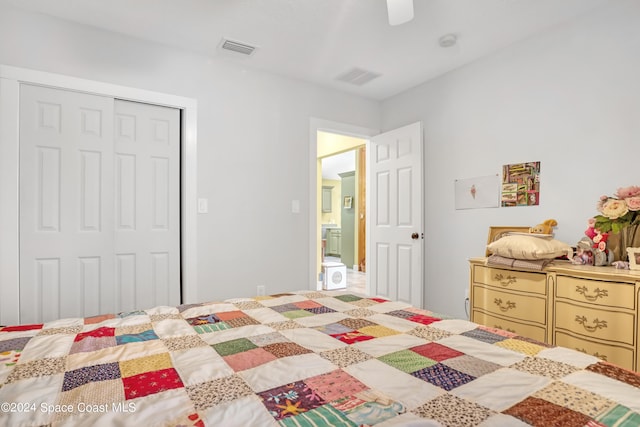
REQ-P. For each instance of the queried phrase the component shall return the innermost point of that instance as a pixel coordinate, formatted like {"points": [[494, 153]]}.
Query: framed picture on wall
{"points": [[348, 202], [478, 192]]}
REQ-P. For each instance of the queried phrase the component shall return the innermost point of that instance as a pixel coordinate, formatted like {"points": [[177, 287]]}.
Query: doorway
{"points": [[315, 188], [394, 225], [342, 212]]}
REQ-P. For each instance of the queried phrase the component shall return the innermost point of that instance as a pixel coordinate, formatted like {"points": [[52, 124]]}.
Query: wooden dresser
{"points": [[591, 309]]}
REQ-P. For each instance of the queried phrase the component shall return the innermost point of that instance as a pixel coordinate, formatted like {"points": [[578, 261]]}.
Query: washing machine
{"points": [[335, 275]]}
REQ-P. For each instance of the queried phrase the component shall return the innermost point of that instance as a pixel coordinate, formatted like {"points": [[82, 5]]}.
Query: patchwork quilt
{"points": [[300, 359]]}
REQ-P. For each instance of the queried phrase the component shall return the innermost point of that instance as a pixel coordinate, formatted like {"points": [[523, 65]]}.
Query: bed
{"points": [[326, 358]]}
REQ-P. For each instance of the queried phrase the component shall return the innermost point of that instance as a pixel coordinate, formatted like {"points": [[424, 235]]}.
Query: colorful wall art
{"points": [[521, 184]]}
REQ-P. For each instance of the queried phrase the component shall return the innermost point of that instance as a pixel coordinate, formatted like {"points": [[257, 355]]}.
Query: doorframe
{"points": [[10, 80], [315, 125]]}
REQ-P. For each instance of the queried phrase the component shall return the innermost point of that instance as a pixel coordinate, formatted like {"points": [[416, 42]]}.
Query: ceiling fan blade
{"points": [[400, 11]]}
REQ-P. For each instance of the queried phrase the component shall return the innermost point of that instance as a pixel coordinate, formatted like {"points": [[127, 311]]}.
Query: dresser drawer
{"points": [[516, 306], [614, 354], [534, 332], [597, 324], [511, 279], [611, 294]]}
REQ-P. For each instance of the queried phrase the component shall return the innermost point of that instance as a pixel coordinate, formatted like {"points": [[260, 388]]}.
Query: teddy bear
{"points": [[544, 228]]}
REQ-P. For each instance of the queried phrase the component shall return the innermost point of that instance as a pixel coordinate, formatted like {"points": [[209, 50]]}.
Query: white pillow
{"points": [[529, 247]]}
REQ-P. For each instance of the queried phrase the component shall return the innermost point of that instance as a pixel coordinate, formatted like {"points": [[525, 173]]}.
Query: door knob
{"points": [[415, 236]]}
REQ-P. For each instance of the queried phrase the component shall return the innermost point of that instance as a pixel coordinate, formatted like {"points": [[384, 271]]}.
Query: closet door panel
{"points": [[147, 146], [66, 157]]}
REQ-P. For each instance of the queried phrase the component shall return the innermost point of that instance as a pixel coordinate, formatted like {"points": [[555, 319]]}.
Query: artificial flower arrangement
{"points": [[617, 213]]}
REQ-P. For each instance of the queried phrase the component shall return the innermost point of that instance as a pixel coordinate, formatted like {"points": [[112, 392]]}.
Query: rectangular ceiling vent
{"points": [[238, 47], [357, 76]]}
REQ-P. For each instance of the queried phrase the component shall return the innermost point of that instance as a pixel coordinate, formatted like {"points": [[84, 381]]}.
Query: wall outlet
{"points": [[466, 294], [260, 291]]}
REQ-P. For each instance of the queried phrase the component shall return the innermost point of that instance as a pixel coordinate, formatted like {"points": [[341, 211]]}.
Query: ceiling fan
{"points": [[400, 11]]}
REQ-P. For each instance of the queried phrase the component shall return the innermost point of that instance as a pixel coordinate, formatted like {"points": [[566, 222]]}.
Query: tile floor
{"points": [[356, 280]]}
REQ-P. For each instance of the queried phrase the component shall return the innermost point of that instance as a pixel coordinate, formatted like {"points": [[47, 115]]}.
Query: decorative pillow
{"points": [[529, 247]]}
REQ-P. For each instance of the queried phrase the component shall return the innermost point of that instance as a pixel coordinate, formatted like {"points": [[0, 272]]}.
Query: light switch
{"points": [[203, 206], [295, 206]]}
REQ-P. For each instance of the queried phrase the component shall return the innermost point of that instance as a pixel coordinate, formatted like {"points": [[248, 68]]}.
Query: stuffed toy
{"points": [[592, 249], [584, 252], [588, 253], [544, 228]]}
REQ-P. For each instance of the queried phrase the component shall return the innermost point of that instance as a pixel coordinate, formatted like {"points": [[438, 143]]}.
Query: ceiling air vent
{"points": [[357, 76], [236, 46]]}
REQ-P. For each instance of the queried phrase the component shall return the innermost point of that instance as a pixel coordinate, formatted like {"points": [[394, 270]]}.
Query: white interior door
{"points": [[147, 205], [395, 261], [65, 231], [74, 260]]}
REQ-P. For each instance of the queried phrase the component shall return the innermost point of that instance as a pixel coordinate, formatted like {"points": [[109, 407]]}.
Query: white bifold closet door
{"points": [[99, 205]]}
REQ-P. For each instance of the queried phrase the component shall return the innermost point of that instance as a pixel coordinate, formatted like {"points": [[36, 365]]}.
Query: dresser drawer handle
{"points": [[504, 308], [599, 293], [597, 324], [596, 354], [504, 281]]}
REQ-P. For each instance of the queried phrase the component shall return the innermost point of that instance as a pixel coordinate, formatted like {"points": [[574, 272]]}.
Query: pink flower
{"points": [[617, 212], [633, 203], [625, 192], [614, 208]]}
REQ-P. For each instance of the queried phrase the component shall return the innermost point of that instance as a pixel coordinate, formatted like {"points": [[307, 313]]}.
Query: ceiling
{"points": [[318, 40]]}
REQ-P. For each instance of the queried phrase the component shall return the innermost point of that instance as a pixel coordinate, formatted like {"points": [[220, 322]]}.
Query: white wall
{"points": [[253, 135], [569, 98]]}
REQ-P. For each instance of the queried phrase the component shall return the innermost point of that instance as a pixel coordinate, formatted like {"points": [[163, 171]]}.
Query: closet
{"points": [[99, 204]]}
